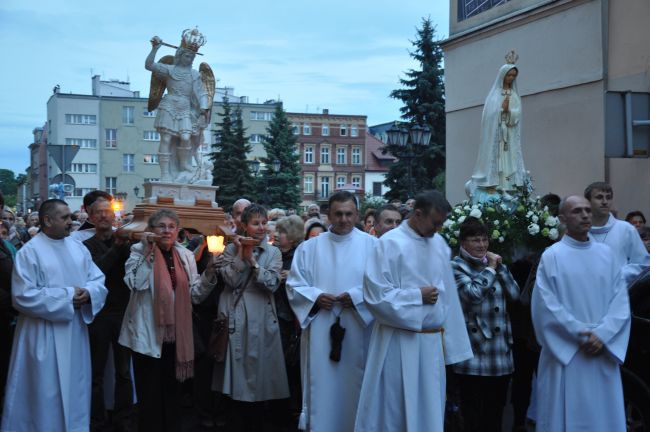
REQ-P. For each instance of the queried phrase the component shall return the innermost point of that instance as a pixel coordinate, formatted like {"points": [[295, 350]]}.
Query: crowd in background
{"points": [[167, 292]]}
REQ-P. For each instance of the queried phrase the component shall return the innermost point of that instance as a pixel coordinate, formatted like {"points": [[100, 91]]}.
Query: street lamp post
{"points": [[276, 169], [410, 142]]}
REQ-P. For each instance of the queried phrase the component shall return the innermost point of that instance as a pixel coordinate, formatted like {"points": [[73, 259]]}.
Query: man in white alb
{"points": [[623, 238], [419, 325], [581, 315], [57, 290], [325, 291]]}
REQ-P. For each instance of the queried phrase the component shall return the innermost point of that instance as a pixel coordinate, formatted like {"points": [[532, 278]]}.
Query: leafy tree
{"points": [[8, 186], [423, 95], [281, 189], [231, 171], [8, 183]]}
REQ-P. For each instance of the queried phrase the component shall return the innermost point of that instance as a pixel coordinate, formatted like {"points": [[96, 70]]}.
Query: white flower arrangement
{"points": [[533, 229], [523, 223]]}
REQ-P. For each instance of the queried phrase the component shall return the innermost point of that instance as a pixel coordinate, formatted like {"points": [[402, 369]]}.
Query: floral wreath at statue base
{"points": [[525, 225]]}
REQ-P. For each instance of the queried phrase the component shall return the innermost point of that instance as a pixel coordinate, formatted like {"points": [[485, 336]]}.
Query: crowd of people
{"points": [[330, 320]]}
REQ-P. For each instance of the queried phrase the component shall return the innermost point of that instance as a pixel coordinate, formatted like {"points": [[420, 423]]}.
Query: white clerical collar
{"points": [[341, 237], [51, 240], [570, 241], [413, 233], [604, 229]]}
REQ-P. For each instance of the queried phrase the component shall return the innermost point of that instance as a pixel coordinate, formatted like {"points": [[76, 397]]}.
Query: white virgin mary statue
{"points": [[500, 164]]}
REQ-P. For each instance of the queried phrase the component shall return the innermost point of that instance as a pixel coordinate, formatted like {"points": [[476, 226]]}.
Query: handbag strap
{"points": [[241, 293]]}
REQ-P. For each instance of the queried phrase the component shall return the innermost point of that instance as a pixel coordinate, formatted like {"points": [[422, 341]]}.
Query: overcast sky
{"points": [[342, 55]]}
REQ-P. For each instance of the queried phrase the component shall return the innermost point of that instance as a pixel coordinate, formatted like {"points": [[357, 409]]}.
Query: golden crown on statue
{"points": [[512, 57], [192, 39]]}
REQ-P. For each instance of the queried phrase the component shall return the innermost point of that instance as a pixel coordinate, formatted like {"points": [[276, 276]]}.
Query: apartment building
{"points": [[332, 153]]}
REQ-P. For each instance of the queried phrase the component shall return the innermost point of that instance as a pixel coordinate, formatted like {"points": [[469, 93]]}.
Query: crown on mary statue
{"points": [[512, 57], [192, 39]]}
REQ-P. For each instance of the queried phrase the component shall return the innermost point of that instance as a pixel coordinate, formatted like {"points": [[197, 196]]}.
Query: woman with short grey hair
{"points": [[290, 235], [157, 325]]}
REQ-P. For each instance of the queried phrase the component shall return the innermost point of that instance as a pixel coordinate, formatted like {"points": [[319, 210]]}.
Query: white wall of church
{"points": [[560, 81]]}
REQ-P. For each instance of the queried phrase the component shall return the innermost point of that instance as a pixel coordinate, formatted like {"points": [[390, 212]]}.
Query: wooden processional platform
{"points": [[202, 215]]}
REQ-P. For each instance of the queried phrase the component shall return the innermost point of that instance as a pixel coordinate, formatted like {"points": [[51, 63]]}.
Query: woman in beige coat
{"points": [[253, 370]]}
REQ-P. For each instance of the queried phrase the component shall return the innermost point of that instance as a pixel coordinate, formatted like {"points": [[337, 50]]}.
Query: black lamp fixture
{"points": [[255, 166], [409, 141], [276, 166], [397, 136], [136, 191]]}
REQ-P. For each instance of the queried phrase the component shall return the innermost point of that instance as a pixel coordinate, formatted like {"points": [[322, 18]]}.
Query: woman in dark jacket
{"points": [[290, 229], [484, 284]]}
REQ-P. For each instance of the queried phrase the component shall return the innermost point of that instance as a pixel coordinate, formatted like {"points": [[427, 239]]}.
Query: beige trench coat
{"points": [[253, 369]]}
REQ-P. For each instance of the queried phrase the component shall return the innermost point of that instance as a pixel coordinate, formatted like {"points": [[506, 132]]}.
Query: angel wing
{"points": [[208, 80], [157, 87]]}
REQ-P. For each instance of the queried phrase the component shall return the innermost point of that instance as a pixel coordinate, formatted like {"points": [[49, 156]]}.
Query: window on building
{"points": [[295, 128], [151, 135], [111, 185], [83, 168], [127, 115], [80, 192], [306, 129], [146, 113], [82, 142], [376, 189], [308, 184], [356, 156], [356, 181], [128, 162], [309, 154], [354, 131], [325, 187], [344, 130], [151, 158], [256, 138], [111, 138], [325, 155], [81, 119], [325, 131], [469, 8], [340, 181], [151, 179], [261, 115], [340, 156]]}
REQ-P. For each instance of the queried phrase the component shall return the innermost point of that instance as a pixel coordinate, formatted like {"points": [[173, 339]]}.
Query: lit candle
{"points": [[215, 244]]}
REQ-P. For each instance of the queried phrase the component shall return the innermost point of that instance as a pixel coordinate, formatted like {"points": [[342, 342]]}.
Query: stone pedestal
{"points": [[194, 205], [183, 194]]}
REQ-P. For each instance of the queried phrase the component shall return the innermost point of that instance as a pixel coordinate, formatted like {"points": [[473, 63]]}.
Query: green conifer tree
{"points": [[423, 95], [281, 189], [231, 171]]}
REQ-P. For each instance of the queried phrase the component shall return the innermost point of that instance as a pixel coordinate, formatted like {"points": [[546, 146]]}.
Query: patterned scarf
{"points": [[173, 310], [482, 261]]}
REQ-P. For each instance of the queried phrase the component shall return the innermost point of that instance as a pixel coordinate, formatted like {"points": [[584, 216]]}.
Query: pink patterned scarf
{"points": [[173, 311]]}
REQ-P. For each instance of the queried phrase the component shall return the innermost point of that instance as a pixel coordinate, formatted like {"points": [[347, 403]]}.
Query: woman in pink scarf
{"points": [[157, 325]]}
